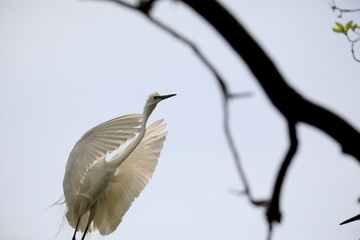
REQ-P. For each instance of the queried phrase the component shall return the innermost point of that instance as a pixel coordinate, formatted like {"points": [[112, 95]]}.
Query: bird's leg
{"points": [[91, 217], [76, 228]]}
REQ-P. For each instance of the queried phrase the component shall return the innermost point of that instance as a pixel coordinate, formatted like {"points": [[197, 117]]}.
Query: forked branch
{"points": [[273, 213], [340, 11], [226, 95], [294, 107]]}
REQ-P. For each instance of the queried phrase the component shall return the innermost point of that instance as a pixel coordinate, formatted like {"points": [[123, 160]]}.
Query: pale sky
{"points": [[66, 66]]}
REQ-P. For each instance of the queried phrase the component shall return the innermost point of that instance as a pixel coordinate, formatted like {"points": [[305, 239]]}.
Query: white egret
{"points": [[98, 192]]}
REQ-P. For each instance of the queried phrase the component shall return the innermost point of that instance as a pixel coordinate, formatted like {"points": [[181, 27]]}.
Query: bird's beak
{"points": [[167, 96]]}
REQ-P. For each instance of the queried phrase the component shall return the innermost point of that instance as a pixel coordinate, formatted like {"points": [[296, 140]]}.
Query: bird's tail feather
{"points": [[59, 202]]}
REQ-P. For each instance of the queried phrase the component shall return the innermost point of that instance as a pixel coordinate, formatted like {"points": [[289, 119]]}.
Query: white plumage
{"points": [[98, 192]]}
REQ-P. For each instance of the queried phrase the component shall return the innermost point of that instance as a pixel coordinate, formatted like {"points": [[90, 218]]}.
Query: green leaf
{"points": [[341, 27], [337, 30], [348, 25]]}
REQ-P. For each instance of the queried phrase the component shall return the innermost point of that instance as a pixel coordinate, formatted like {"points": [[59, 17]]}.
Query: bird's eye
{"points": [[157, 97]]}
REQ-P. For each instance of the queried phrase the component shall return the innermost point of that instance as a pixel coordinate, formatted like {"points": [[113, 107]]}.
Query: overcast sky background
{"points": [[66, 66]]}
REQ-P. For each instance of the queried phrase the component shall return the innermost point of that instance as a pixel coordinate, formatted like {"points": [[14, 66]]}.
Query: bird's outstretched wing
{"points": [[134, 174], [94, 145]]}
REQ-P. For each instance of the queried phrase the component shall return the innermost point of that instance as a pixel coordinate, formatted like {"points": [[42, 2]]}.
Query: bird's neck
{"points": [[114, 163]]}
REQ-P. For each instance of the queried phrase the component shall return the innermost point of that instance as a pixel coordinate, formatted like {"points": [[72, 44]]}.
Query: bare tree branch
{"points": [[342, 10], [353, 42], [290, 103], [233, 149], [226, 97], [353, 51], [181, 39], [273, 211], [223, 86]]}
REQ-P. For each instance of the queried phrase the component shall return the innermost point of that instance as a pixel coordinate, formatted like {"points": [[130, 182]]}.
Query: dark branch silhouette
{"points": [[294, 107], [223, 86], [273, 212], [290, 103], [355, 218]]}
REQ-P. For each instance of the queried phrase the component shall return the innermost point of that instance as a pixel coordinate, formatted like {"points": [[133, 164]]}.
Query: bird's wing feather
{"points": [[134, 174], [94, 145]]}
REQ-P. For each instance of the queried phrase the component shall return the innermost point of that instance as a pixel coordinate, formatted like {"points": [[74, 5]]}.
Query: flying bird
{"points": [[99, 191]]}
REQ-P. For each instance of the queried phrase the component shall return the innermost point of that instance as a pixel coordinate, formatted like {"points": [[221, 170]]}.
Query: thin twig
{"points": [[233, 149], [353, 42], [339, 15], [196, 50], [342, 10], [353, 52], [224, 90], [181, 39], [226, 97]]}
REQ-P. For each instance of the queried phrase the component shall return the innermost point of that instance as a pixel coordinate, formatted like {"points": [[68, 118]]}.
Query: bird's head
{"points": [[153, 99]]}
